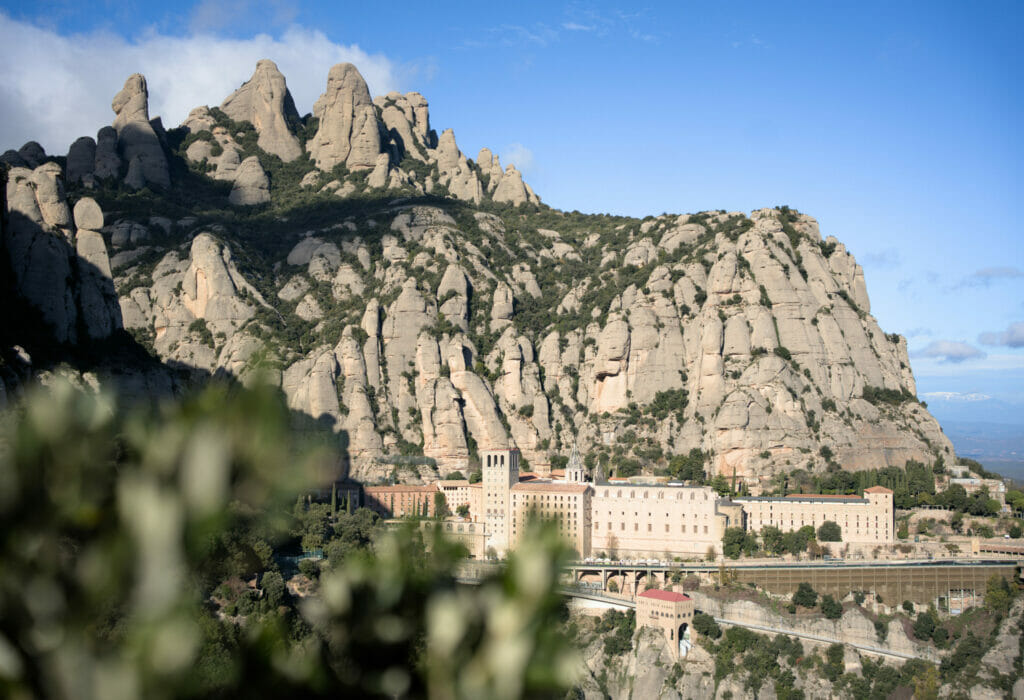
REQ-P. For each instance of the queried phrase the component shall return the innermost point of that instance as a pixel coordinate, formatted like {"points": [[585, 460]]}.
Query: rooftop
{"points": [[877, 489], [550, 487], [834, 496], [401, 488], [670, 596]]}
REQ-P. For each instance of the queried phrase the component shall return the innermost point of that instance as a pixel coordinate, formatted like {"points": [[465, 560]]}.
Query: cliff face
{"points": [[476, 317]]}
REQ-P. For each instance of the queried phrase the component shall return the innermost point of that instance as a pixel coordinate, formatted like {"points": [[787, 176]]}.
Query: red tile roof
{"points": [[670, 596], [877, 489], [400, 488]]}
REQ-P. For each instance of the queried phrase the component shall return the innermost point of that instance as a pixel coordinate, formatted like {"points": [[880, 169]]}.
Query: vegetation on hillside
{"points": [[147, 552]]}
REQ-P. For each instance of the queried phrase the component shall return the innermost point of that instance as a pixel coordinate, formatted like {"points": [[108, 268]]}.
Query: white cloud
{"points": [[1012, 337], [54, 88], [950, 351], [518, 155], [956, 396]]}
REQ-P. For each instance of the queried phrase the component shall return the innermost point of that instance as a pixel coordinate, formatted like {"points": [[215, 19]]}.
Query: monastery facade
{"points": [[629, 520]]}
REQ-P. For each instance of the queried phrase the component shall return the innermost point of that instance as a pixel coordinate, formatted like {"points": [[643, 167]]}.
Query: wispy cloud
{"points": [[919, 332], [1012, 337], [987, 275], [579, 20], [55, 88], [971, 397], [753, 42], [889, 257], [950, 351], [519, 155], [232, 16]]}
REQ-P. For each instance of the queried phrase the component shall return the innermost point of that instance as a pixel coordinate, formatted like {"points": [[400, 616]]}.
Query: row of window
{"points": [[636, 527], [606, 493]]}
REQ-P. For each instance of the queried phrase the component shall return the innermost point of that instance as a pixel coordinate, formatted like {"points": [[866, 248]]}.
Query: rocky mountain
{"points": [[420, 302]]}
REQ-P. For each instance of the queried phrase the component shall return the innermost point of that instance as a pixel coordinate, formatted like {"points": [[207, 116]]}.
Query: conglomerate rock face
{"points": [[265, 102], [137, 139], [349, 132], [479, 319]]}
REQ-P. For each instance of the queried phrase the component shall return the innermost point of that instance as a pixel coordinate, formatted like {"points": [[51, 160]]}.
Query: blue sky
{"points": [[896, 124]]}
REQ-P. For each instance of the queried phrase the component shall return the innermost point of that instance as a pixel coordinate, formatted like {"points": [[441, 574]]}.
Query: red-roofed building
{"points": [[670, 596], [401, 500], [670, 612]]}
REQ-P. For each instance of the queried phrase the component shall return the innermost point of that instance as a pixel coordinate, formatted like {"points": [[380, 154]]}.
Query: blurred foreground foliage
{"points": [[122, 531]]}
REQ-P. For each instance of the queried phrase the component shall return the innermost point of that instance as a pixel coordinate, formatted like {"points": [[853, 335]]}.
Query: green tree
{"points": [[772, 539], [273, 590], [720, 485], [455, 476], [353, 532], [706, 626], [831, 608], [830, 531], [732, 542], [924, 626], [998, 595], [476, 476], [689, 467], [130, 541], [805, 596], [462, 510], [954, 497], [312, 523], [441, 506], [834, 662]]}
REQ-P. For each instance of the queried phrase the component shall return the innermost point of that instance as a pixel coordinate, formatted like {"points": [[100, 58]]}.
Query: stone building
{"points": [[670, 612], [626, 518], [400, 500], [654, 521], [500, 473], [468, 533], [459, 492], [566, 505], [995, 488], [867, 519]]}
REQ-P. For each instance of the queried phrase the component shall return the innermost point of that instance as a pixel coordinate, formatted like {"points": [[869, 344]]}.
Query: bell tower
{"points": [[575, 473], [500, 473]]}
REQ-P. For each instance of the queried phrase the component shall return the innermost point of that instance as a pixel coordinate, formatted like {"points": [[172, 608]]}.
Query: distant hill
{"points": [[999, 447]]}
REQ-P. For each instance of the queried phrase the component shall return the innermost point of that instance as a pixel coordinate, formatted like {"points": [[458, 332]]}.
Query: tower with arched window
{"points": [[500, 473]]}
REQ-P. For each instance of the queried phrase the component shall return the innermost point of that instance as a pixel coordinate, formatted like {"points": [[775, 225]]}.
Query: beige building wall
{"points": [[471, 535], [670, 612], [867, 520], [567, 505], [457, 492], [652, 521]]}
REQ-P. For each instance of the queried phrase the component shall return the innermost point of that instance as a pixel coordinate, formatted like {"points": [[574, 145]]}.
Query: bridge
{"points": [[623, 603], [916, 580]]}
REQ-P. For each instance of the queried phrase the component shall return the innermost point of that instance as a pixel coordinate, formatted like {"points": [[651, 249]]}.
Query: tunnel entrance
{"points": [[683, 635]]}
